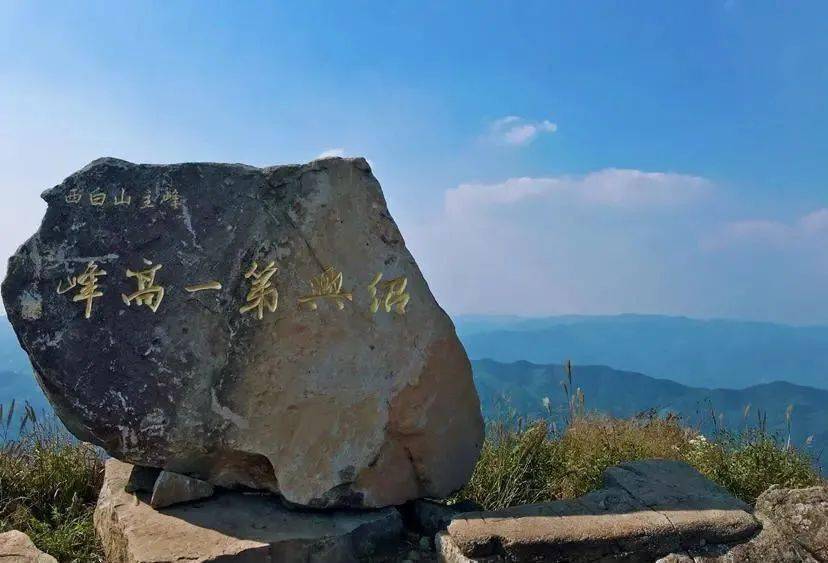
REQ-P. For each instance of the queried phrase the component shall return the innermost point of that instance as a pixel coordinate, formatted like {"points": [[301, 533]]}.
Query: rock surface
{"points": [[233, 526], [17, 547], [794, 530], [801, 515], [647, 510], [174, 488], [256, 327], [142, 479], [429, 517]]}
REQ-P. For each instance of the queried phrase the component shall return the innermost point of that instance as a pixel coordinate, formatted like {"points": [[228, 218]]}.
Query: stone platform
{"points": [[652, 510], [233, 527], [646, 510]]}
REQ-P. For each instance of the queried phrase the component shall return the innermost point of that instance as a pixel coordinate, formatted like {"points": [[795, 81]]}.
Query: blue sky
{"points": [[540, 158]]}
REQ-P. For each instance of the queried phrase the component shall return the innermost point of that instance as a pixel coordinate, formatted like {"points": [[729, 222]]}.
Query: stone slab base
{"points": [[233, 527], [647, 510]]}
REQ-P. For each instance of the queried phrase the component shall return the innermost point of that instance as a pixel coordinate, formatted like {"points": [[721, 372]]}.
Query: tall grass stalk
{"points": [[532, 461]]}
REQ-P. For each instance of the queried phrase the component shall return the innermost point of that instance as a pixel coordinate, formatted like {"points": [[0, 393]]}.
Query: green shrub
{"points": [[513, 465], [592, 443], [49, 483], [528, 463], [748, 463]]}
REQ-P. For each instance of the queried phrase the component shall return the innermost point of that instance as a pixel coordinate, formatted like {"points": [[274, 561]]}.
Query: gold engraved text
{"points": [[146, 200], [172, 197], [202, 287], [393, 294], [123, 199], [148, 293], [327, 285], [262, 294], [97, 198], [74, 196], [88, 291]]}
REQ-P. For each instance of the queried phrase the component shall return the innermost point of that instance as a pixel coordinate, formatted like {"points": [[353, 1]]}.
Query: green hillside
{"points": [[523, 385]]}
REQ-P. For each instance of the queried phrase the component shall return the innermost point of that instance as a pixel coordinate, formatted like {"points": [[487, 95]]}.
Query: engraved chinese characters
{"points": [[327, 285], [206, 286], [147, 293], [262, 294], [87, 284], [256, 327], [393, 294], [261, 297], [98, 197]]}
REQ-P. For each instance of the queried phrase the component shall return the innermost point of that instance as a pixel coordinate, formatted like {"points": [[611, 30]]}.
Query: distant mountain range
{"points": [[16, 378], [698, 353], [522, 386], [687, 354], [12, 356]]}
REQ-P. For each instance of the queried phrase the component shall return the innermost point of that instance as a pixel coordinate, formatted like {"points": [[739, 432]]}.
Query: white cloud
{"points": [[340, 152], [331, 153], [611, 187], [816, 222], [614, 241], [805, 230], [514, 130], [594, 243]]}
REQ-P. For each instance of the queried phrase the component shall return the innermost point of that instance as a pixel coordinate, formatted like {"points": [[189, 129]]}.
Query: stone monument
{"points": [[256, 328]]}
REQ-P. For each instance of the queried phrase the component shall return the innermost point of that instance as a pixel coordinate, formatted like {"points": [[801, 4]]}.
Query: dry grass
{"points": [[525, 463], [749, 462], [49, 484], [590, 444]]}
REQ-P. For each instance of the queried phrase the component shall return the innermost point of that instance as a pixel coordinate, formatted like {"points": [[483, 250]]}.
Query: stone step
{"points": [[647, 510]]}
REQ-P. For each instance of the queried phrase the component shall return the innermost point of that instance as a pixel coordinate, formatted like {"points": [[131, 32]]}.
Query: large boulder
{"points": [[256, 327]]}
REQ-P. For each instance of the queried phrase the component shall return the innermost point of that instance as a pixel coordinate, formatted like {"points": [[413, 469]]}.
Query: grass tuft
{"points": [[527, 463], [749, 462], [49, 483]]}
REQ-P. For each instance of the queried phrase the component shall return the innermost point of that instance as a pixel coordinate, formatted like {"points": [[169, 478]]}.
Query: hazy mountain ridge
{"points": [[16, 375], [608, 389], [523, 385], [702, 353]]}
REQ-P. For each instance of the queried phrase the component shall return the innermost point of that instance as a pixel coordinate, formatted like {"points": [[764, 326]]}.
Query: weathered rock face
{"points": [[256, 327], [801, 515], [235, 527], [794, 530], [175, 488], [17, 547]]}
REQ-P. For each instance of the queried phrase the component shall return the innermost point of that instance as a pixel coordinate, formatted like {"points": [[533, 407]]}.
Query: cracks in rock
{"points": [[291, 222], [650, 507], [421, 483], [195, 299], [305, 240]]}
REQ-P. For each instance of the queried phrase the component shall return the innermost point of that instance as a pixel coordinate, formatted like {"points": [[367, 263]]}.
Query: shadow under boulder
{"points": [[234, 526]]}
